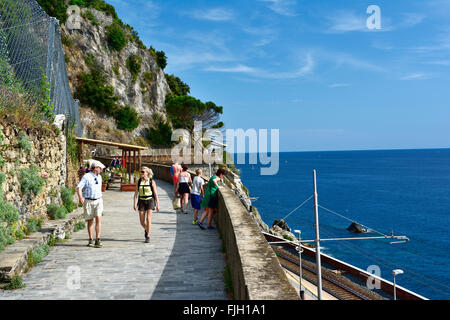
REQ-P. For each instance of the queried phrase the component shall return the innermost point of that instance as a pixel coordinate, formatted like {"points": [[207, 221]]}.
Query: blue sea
{"points": [[407, 191]]}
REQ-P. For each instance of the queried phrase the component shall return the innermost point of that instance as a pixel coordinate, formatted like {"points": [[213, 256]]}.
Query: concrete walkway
{"points": [[180, 262]]}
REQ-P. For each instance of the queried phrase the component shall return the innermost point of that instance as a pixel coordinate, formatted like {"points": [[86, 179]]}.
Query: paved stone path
{"points": [[180, 262]]}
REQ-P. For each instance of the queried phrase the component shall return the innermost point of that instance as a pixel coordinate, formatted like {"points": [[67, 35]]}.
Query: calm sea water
{"points": [[407, 191]]}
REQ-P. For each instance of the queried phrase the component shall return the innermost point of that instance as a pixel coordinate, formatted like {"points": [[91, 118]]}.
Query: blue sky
{"points": [[311, 68]]}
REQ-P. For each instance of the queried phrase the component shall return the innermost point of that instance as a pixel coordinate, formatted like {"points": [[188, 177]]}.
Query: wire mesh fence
{"points": [[31, 52]]}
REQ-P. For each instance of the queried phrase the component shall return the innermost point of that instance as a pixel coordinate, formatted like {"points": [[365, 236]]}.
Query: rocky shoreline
{"points": [[279, 227]]}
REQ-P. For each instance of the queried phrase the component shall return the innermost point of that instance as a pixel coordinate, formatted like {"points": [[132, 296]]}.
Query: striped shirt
{"points": [[91, 189]]}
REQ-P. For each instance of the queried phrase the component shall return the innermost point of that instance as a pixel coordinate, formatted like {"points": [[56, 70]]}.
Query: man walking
{"points": [[89, 192]]}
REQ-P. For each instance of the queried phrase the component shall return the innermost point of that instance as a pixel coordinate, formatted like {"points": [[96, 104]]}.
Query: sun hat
{"points": [[94, 163]]}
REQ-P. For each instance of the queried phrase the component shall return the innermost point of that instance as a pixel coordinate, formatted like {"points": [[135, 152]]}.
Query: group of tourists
{"points": [[201, 195], [146, 197]]}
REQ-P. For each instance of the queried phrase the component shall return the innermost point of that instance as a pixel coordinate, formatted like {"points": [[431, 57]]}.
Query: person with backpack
{"points": [[145, 200]]}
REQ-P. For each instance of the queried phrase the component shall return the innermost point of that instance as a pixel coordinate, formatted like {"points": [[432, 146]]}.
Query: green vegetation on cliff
{"points": [[160, 133], [116, 37], [127, 118], [178, 87], [95, 92], [9, 215], [184, 110], [134, 63]]}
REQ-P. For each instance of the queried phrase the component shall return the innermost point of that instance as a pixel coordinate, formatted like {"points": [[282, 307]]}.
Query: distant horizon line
{"points": [[354, 150]]}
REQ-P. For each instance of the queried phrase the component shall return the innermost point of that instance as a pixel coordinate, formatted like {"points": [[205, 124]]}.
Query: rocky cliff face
{"points": [[146, 95]]}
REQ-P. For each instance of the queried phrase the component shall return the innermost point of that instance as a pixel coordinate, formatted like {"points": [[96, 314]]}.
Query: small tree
{"points": [[134, 62], [116, 37], [178, 87], [184, 110], [160, 134], [55, 8], [161, 59], [127, 118], [95, 93]]}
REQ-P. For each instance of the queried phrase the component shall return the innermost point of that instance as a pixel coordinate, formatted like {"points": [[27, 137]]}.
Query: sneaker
{"points": [[147, 239], [98, 243], [91, 243], [211, 228], [200, 225], [186, 212], [194, 221]]}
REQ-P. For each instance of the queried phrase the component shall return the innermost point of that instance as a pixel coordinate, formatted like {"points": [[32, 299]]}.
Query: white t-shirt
{"points": [[196, 185]]}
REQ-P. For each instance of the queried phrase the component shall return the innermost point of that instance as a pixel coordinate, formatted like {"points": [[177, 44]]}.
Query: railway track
{"points": [[330, 284]]}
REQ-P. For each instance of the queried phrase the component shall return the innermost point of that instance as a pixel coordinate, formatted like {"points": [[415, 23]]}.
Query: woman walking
{"points": [[211, 200], [145, 198], [197, 194], [183, 188]]}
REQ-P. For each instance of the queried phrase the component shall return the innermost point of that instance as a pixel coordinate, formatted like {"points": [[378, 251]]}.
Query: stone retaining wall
{"points": [[47, 153], [255, 271]]}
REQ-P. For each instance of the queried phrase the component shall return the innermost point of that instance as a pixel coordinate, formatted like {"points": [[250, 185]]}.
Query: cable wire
{"points": [[344, 217], [391, 264]]}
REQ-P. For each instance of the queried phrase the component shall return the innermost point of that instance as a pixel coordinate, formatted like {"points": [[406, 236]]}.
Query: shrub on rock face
{"points": [[127, 118], [33, 225], [96, 93], [31, 181], [55, 8], [160, 134], [56, 212], [40, 252], [24, 143], [116, 37], [67, 198], [134, 65], [16, 283]]}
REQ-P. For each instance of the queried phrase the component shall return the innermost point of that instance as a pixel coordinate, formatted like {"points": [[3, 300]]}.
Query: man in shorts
{"points": [[89, 192]]}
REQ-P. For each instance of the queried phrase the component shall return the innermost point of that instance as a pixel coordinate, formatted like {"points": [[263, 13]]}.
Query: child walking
{"points": [[197, 194]]}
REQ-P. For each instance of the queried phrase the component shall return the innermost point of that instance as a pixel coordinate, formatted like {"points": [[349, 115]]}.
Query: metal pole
{"points": [[318, 264], [395, 293], [302, 292]]}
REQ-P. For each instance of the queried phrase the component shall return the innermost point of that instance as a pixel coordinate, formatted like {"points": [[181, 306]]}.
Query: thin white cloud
{"points": [[182, 58], [346, 21], [265, 34], [282, 7], [212, 14], [338, 85], [346, 60], [415, 76], [440, 62], [236, 69], [411, 19], [322, 131], [264, 73]]}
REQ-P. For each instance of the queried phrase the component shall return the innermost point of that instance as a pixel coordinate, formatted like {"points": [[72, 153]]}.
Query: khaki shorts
{"points": [[93, 208]]}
